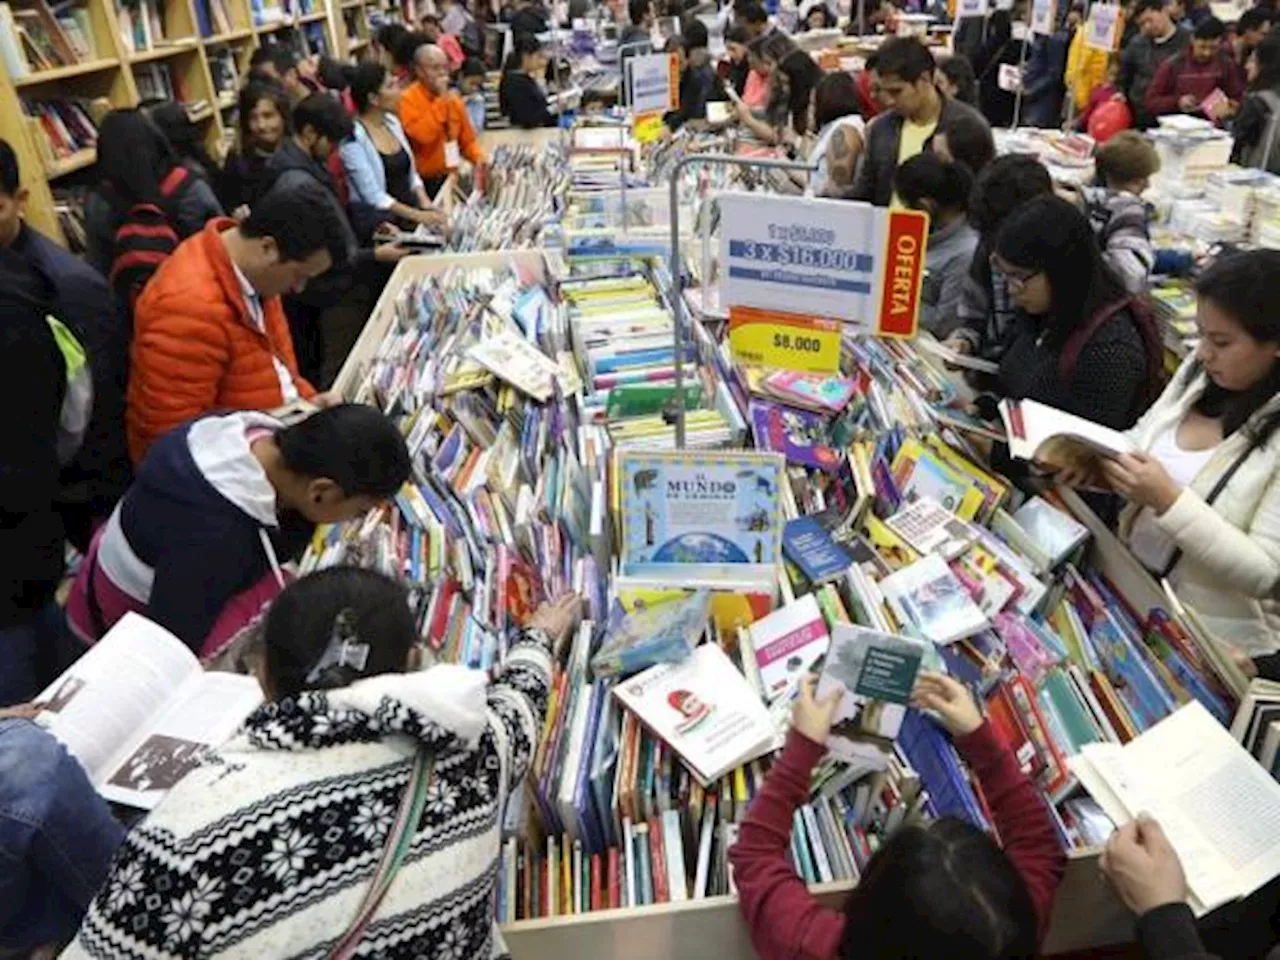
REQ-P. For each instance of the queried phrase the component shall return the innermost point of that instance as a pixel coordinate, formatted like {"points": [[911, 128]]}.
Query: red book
{"points": [[597, 895], [615, 879], [658, 862], [440, 618]]}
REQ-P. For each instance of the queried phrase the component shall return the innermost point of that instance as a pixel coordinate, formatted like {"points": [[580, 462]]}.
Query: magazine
{"points": [[139, 712], [876, 672]]}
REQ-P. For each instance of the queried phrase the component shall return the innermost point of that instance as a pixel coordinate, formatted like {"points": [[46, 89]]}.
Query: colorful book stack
{"points": [[518, 203], [62, 127]]}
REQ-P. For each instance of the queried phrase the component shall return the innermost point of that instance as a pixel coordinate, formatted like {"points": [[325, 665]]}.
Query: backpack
{"points": [[1148, 331], [1265, 153], [146, 238]]}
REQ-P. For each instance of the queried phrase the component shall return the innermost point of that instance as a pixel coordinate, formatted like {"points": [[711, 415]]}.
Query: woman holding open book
{"points": [[941, 890], [1203, 488], [358, 810]]}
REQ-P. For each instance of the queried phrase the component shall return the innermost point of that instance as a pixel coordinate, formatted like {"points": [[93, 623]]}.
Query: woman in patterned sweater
{"points": [[268, 849]]}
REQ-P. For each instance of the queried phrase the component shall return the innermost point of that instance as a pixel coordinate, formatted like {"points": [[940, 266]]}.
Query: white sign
{"points": [[651, 85], [826, 258], [1042, 16], [1100, 30], [1020, 31], [1009, 79], [971, 8]]}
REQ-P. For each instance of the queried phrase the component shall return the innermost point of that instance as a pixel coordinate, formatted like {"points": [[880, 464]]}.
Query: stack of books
{"points": [[35, 36], [60, 128], [519, 202]]}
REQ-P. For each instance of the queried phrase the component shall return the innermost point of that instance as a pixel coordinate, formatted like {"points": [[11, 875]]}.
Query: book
{"points": [[1054, 531], [875, 673], [139, 712], [930, 529], [663, 633], [1057, 438], [929, 597], [799, 435], [825, 393], [953, 358], [809, 545], [704, 709], [787, 643], [1215, 803], [519, 363]]}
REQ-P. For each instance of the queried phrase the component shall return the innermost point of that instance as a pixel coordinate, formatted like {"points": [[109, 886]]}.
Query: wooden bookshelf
{"points": [[64, 73]]}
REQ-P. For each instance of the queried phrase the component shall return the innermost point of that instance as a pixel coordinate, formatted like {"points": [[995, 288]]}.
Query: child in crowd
{"points": [[1116, 210], [1104, 92], [944, 889], [216, 503], [471, 88]]}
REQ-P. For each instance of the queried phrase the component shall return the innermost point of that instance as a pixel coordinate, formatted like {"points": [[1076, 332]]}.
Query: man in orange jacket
{"points": [[436, 121], [209, 330]]}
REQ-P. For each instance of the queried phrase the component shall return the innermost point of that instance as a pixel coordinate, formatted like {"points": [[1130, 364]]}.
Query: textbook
{"points": [[875, 672], [787, 643], [1057, 438], [139, 712], [1214, 802], [704, 709]]}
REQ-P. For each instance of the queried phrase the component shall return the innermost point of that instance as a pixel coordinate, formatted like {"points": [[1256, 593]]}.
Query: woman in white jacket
{"points": [[271, 847], [1203, 489]]}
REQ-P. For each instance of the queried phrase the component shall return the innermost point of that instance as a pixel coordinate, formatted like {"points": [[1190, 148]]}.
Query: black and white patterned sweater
{"points": [[266, 851]]}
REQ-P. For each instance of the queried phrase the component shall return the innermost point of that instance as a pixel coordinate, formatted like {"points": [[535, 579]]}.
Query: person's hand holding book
{"points": [[1142, 479], [1143, 867], [812, 717], [950, 700], [557, 619]]}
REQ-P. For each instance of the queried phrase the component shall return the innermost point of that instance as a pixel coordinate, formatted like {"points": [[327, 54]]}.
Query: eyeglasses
{"points": [[1015, 280]]}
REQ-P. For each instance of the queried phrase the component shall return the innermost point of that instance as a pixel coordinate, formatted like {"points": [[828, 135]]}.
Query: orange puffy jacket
{"points": [[195, 348]]}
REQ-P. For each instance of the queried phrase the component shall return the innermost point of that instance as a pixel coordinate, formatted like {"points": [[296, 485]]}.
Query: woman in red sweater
{"points": [[944, 889]]}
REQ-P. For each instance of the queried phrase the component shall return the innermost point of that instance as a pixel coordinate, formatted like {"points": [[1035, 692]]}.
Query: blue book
{"points": [[930, 753], [808, 545]]}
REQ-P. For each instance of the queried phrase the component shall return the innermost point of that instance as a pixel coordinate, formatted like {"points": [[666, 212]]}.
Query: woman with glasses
{"points": [[1078, 342]]}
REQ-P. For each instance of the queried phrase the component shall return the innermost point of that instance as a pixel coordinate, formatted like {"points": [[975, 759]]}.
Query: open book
{"points": [[1217, 806], [139, 712], [1058, 438]]}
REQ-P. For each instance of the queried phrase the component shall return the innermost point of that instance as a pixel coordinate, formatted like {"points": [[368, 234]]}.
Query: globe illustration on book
{"points": [[699, 548]]}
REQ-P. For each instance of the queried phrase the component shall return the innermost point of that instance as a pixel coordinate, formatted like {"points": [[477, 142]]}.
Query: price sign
{"points": [[1103, 25], [655, 83], [787, 341], [971, 8], [1043, 15], [647, 127]]}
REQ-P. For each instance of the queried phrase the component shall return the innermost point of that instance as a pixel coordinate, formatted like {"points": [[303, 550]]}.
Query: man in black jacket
{"points": [[1159, 38], [915, 110], [698, 81]]}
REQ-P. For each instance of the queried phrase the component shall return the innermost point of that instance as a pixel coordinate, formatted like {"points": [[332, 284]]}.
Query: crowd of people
{"points": [[147, 376]]}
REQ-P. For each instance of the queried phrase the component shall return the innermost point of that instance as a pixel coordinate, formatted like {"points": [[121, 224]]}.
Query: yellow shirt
{"points": [[911, 143]]}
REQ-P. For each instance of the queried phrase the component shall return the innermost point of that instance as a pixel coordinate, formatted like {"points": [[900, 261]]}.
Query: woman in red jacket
{"points": [[944, 889]]}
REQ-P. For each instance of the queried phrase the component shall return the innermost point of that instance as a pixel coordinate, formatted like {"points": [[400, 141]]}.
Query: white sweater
{"points": [[267, 851], [1230, 565]]}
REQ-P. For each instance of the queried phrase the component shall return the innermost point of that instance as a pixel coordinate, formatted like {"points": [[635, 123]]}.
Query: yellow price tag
{"points": [[647, 127], [787, 341]]}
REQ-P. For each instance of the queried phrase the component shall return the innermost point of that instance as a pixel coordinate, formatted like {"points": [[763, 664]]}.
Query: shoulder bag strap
{"points": [[1218, 487], [399, 840]]}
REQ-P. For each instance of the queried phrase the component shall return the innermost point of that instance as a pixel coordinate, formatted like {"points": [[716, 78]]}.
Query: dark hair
{"points": [[365, 84], [183, 135], [1210, 28], [928, 176], [134, 156], [334, 74], [737, 34], [407, 48], [323, 114], [1051, 236], [637, 10], [959, 70], [253, 94], [828, 18], [1267, 54], [352, 444], [302, 219], [522, 45], [389, 36], [1255, 18], [473, 67], [905, 58], [835, 96], [944, 889], [969, 139], [1004, 185], [750, 12], [694, 34], [329, 606], [1240, 285], [10, 175], [1147, 5], [279, 56]]}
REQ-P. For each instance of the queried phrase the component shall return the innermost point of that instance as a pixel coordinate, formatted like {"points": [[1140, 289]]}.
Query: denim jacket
{"points": [[362, 163], [57, 838]]}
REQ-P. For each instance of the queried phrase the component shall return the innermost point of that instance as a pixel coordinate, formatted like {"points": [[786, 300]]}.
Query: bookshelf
{"points": [[99, 55]]}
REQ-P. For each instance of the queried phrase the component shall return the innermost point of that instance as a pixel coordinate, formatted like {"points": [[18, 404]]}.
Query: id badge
{"points": [[452, 156]]}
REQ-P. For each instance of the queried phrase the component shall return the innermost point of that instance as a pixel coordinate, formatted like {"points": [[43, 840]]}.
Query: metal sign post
{"points": [[676, 411], [1022, 69]]}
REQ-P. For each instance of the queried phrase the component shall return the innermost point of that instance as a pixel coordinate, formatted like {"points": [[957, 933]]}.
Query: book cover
{"points": [[1056, 533], [787, 644], [931, 529], [662, 633], [931, 598], [694, 514], [829, 393], [876, 672], [703, 709], [799, 435], [809, 545]]}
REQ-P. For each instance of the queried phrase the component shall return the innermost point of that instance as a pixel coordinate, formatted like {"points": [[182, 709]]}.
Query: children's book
{"points": [[1057, 438], [663, 633], [787, 644], [875, 673], [139, 711], [801, 436], [931, 598], [930, 529], [702, 708], [825, 393]]}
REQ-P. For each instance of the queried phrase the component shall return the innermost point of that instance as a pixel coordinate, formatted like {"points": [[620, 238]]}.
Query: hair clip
{"points": [[344, 648]]}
